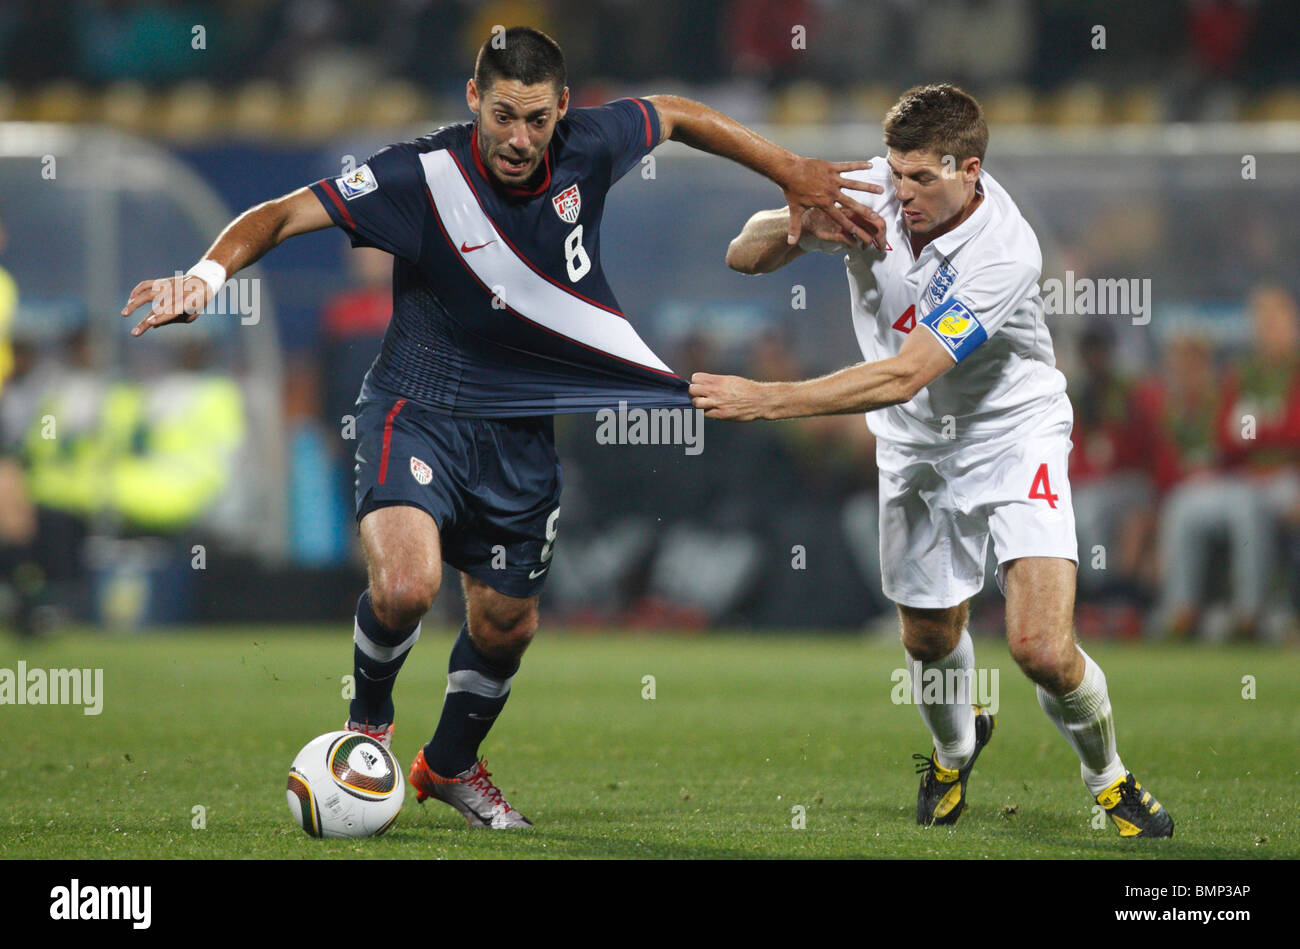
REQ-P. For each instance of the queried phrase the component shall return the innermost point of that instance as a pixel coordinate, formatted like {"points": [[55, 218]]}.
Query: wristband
{"points": [[210, 272]]}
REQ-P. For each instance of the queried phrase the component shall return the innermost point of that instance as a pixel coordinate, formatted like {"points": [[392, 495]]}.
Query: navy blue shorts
{"points": [[491, 485]]}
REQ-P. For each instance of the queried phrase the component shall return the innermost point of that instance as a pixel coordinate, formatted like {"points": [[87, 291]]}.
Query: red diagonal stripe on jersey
{"points": [[388, 438], [648, 143], [338, 202]]}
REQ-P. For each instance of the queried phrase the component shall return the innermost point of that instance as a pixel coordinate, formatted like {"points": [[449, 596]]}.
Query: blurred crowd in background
{"points": [[127, 476], [304, 64]]}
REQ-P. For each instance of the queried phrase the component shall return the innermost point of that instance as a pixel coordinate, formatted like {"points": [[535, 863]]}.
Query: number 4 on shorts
{"points": [[1041, 488]]}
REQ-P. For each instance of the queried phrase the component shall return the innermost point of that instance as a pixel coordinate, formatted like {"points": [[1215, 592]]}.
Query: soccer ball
{"points": [[345, 784]]}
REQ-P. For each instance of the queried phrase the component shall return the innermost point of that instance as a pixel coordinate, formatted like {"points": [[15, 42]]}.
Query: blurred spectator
{"points": [[819, 515], [972, 43], [1219, 31], [1196, 53], [1218, 35], [1255, 491], [85, 454], [18, 523], [174, 443], [763, 43], [55, 459], [409, 45], [320, 43], [353, 326], [8, 310], [1108, 480], [146, 41], [1182, 402]]}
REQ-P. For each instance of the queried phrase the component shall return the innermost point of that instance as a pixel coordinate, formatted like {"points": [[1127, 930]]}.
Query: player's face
{"points": [[931, 190], [515, 125]]}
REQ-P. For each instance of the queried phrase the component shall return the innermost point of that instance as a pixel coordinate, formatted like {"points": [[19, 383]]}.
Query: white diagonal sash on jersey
{"points": [[528, 293]]}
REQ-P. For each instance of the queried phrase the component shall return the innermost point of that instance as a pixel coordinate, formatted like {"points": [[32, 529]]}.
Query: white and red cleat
{"points": [[380, 733], [470, 792]]}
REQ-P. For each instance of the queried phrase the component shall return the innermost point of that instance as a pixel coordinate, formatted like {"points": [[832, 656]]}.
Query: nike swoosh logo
{"points": [[534, 574], [481, 718], [465, 248]]}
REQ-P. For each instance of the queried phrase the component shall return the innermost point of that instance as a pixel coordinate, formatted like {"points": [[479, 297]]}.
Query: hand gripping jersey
{"points": [[976, 289], [500, 306]]}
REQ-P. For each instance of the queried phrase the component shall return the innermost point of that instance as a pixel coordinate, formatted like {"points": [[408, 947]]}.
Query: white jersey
{"points": [[976, 289]]}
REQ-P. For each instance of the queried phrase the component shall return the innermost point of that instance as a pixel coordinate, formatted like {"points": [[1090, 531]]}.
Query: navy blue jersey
{"points": [[500, 305]]}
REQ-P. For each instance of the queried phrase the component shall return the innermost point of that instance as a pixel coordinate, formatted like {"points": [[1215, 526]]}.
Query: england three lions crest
{"points": [[941, 283], [567, 204]]}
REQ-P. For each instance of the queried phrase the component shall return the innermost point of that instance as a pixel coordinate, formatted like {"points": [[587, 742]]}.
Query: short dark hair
{"points": [[939, 118], [523, 54]]}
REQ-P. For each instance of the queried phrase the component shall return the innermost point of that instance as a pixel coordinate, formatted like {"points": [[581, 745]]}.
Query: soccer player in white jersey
{"points": [[973, 427]]}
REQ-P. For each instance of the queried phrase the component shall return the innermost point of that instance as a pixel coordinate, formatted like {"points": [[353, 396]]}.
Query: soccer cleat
{"points": [[1135, 812], [942, 795], [470, 792], [380, 733]]}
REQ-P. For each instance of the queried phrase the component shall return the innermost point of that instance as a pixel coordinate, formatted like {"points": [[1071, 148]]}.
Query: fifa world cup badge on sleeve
{"points": [[956, 327], [362, 181]]}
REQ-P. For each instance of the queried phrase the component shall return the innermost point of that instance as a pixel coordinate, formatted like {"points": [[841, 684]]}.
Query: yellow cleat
{"points": [[942, 796], [1135, 812]]}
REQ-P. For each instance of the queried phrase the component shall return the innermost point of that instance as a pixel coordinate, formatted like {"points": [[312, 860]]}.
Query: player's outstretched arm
{"points": [[860, 388], [244, 241], [762, 245], [806, 182]]}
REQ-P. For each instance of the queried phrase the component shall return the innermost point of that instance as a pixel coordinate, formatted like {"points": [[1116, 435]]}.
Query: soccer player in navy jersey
{"points": [[502, 317]]}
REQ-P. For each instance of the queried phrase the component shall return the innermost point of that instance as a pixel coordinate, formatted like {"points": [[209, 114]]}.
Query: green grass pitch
{"points": [[740, 732]]}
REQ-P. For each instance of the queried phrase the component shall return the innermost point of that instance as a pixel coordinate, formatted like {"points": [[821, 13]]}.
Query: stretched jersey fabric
{"points": [[500, 306]]}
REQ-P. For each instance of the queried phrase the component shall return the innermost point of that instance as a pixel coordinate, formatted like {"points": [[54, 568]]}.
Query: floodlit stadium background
{"points": [[203, 473]]}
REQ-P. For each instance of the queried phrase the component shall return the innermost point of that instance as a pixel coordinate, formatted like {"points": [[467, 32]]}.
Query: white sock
{"points": [[951, 723], [1085, 719]]}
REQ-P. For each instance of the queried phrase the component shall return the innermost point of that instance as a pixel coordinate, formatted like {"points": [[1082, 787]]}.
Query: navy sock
{"points": [[377, 654], [477, 689]]}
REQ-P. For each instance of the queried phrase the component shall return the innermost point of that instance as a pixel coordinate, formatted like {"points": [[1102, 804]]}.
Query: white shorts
{"points": [[938, 507]]}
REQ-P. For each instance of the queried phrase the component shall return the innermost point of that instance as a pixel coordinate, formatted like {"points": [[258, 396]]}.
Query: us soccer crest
{"points": [[421, 472], [568, 203]]}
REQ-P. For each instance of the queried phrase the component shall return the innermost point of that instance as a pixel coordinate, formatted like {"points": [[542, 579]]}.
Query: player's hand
{"points": [[172, 299], [821, 226], [815, 183], [730, 397]]}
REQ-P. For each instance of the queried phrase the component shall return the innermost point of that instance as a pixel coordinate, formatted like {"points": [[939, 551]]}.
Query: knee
{"points": [[401, 599], [1055, 664], [929, 635], [504, 636], [929, 644]]}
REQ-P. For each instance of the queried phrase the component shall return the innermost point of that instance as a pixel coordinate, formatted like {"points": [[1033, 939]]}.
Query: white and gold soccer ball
{"points": [[345, 784]]}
